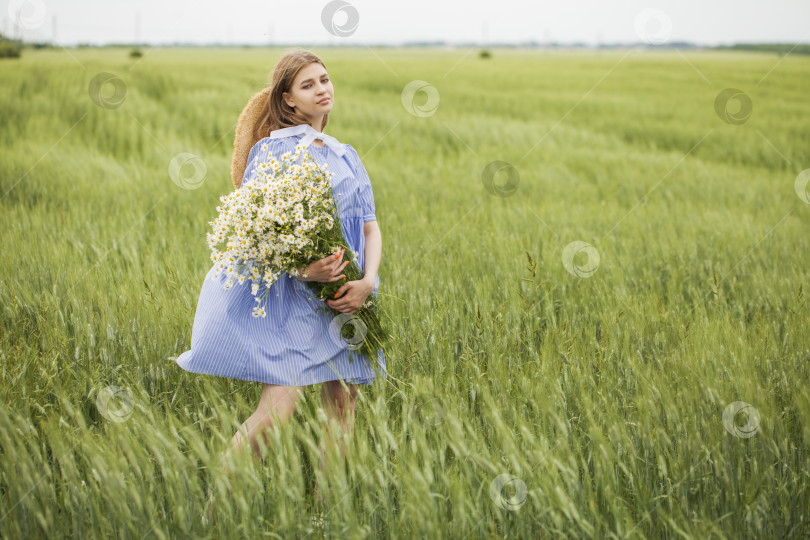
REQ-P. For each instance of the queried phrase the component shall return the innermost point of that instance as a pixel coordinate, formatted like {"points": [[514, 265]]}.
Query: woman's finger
{"points": [[334, 260]]}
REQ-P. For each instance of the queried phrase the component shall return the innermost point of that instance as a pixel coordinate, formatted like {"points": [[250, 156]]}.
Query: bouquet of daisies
{"points": [[283, 220]]}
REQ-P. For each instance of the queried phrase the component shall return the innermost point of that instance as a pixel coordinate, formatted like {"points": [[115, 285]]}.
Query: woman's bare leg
{"points": [[276, 406], [338, 403]]}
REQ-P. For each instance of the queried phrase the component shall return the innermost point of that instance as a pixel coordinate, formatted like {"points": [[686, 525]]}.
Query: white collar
{"points": [[309, 134]]}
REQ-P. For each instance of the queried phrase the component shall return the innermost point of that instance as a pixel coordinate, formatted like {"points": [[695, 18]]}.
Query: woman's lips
{"points": [[323, 101]]}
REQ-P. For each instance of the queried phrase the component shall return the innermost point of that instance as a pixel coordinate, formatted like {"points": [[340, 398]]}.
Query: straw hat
{"points": [[244, 138]]}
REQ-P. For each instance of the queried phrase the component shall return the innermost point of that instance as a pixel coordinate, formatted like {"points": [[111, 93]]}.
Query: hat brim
{"points": [[244, 138]]}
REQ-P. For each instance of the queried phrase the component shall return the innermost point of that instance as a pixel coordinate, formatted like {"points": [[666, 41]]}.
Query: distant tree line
{"points": [[10, 48], [779, 48]]}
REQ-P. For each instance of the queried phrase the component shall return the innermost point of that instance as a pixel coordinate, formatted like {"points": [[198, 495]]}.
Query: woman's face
{"points": [[311, 93]]}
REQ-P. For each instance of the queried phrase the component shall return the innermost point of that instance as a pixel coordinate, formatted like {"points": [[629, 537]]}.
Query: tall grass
{"points": [[601, 397]]}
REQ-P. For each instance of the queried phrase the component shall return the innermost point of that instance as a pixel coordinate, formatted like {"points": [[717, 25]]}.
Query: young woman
{"points": [[291, 347]]}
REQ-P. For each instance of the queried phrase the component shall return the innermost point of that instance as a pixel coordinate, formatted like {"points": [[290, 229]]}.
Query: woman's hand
{"points": [[325, 270], [356, 294]]}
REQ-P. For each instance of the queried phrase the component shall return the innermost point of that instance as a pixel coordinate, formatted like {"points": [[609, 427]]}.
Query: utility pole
{"points": [[18, 23]]}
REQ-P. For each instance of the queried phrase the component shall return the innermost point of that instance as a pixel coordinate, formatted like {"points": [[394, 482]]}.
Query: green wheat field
{"points": [[594, 273]]}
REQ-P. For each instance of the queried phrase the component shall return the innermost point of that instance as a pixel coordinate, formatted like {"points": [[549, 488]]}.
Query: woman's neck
{"points": [[317, 125]]}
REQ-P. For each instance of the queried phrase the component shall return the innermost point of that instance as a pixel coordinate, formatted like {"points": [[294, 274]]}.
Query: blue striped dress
{"points": [[293, 345]]}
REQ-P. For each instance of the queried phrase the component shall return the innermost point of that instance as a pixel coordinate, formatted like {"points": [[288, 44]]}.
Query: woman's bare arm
{"points": [[373, 251]]}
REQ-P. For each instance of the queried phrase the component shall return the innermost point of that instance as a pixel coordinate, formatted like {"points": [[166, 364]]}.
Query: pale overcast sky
{"points": [[365, 22]]}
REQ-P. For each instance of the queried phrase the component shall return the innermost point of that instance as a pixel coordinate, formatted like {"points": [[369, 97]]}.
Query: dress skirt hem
{"points": [[322, 375]]}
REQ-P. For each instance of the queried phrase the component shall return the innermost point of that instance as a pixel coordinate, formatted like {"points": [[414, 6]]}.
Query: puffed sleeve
{"points": [[366, 194]]}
